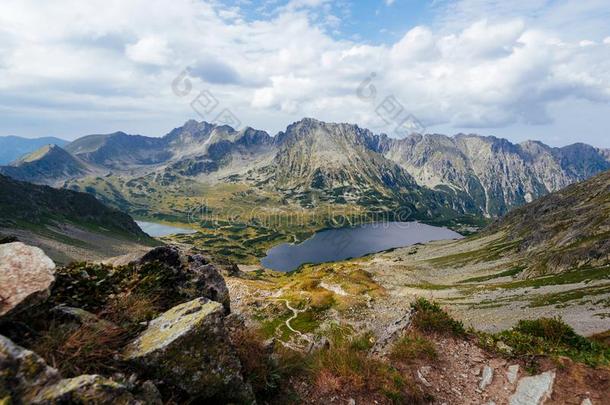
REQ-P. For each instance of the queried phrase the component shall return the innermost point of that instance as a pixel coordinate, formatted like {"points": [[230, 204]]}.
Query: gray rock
{"points": [[534, 390], [188, 347], [80, 316], [422, 372], [512, 373], [486, 377], [504, 348], [200, 277], [26, 276]]}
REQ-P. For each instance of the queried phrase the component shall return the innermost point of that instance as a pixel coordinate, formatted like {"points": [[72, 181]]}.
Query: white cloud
{"points": [[151, 50], [80, 60], [389, 2]]}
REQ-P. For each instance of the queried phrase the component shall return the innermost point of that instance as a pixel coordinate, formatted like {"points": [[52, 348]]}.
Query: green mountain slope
{"points": [[69, 224], [13, 147]]}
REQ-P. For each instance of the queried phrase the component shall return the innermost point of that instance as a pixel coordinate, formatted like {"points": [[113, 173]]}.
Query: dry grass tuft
{"points": [[348, 368], [88, 348], [412, 348]]}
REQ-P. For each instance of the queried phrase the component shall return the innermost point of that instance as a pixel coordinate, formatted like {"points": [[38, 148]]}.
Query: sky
{"points": [[521, 69]]}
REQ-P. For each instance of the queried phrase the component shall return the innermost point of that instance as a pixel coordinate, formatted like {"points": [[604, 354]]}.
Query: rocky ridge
{"points": [[468, 173]]}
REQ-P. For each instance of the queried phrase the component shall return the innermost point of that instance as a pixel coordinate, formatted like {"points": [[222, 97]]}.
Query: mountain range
{"points": [[313, 161]]}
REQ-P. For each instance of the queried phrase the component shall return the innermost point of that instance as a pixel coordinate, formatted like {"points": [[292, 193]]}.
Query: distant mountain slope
{"points": [[119, 150], [495, 174], [564, 230], [68, 223], [47, 165], [14, 147]]}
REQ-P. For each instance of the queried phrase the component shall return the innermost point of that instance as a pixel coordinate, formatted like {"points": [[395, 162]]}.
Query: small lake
{"points": [[156, 230], [344, 243]]}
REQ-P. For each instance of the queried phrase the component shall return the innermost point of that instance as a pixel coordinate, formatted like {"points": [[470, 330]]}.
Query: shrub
{"points": [[551, 337], [429, 317], [554, 330]]}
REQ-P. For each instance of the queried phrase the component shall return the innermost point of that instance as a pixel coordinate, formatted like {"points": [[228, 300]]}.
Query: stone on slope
{"points": [[199, 278], [512, 373], [534, 390], [26, 276], [188, 347], [487, 377]]}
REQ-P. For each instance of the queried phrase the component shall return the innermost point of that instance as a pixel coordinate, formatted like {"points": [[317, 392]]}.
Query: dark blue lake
{"points": [[344, 243]]}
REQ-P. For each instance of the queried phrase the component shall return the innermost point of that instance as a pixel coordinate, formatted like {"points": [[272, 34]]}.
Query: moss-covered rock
{"points": [[188, 347], [191, 276], [84, 389], [22, 371]]}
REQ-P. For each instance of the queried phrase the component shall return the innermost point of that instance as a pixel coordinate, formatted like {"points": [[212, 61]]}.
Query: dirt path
{"points": [[295, 313]]}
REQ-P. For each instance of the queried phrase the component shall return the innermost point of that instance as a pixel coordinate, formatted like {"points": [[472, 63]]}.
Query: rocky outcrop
{"points": [[26, 276], [25, 378], [188, 347], [197, 277]]}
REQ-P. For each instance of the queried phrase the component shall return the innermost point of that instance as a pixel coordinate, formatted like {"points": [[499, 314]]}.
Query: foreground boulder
{"points": [[194, 274], [26, 276], [22, 372], [188, 347], [25, 378]]}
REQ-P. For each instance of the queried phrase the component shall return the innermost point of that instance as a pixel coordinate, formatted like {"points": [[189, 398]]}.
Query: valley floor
{"points": [[473, 278]]}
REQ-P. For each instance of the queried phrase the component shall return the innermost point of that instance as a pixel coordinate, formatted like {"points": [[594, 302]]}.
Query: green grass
{"points": [[486, 254], [562, 298], [570, 277], [508, 273]]}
